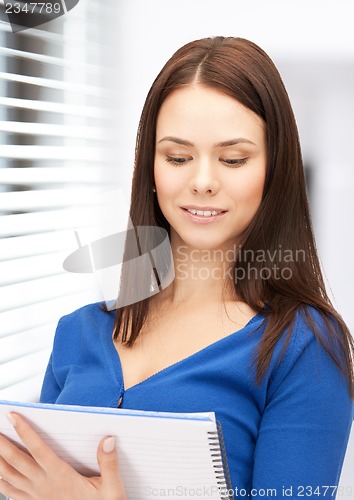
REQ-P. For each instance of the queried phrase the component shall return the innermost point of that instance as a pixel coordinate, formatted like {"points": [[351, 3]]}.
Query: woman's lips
{"points": [[203, 219]]}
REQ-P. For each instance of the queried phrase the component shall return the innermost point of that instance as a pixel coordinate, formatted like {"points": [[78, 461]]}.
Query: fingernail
{"points": [[11, 419], [109, 444]]}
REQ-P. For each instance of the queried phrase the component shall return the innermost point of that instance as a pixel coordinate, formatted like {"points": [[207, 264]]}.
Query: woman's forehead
{"points": [[198, 112]]}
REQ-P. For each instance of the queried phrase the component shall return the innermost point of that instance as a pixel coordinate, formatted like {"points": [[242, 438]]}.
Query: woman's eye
{"points": [[237, 162], [176, 160]]}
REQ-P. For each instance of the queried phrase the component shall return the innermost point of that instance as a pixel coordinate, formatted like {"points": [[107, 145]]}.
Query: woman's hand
{"points": [[42, 475]]}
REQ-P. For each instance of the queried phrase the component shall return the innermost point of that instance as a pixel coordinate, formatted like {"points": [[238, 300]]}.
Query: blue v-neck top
{"points": [[288, 435]]}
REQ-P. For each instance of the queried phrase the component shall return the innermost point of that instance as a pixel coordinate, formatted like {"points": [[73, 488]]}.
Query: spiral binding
{"points": [[219, 459]]}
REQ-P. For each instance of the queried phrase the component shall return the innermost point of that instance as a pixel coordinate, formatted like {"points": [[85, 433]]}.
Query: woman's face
{"points": [[210, 156]]}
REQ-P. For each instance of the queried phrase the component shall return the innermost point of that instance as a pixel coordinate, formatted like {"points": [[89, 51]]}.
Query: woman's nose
{"points": [[205, 177]]}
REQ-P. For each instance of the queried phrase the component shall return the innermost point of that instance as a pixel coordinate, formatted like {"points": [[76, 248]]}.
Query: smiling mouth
{"points": [[204, 213]]}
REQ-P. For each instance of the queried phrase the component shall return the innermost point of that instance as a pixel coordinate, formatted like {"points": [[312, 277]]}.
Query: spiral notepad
{"points": [[174, 455]]}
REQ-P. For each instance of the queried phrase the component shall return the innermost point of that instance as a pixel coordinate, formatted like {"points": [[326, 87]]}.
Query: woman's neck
{"points": [[201, 275]]}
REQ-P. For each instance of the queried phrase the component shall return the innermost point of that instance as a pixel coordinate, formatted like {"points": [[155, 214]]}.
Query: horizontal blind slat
{"points": [[49, 198], [35, 315], [47, 129], [32, 56], [53, 84], [26, 342], [29, 268], [22, 224], [26, 366], [86, 154], [99, 174], [54, 175], [53, 107], [26, 390], [43, 243], [52, 37], [41, 289], [34, 33]]}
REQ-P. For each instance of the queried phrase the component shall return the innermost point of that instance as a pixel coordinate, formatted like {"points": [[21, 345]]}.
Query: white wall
{"points": [[312, 43]]}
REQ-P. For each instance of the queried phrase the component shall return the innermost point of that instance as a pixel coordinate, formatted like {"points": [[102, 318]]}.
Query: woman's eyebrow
{"points": [[223, 144], [232, 142], [176, 140]]}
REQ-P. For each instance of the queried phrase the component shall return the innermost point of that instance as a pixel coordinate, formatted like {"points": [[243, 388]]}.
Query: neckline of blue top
{"points": [[117, 369]]}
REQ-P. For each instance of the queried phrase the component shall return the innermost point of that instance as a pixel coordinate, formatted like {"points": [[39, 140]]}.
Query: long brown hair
{"points": [[242, 70]]}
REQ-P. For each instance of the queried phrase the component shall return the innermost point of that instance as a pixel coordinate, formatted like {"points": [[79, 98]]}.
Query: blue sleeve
{"points": [[66, 346], [77, 370], [50, 387], [306, 424]]}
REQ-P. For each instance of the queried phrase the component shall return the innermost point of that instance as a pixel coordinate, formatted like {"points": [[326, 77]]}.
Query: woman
{"points": [[246, 328]]}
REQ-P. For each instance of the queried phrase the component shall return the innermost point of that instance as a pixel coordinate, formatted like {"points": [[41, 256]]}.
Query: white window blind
{"points": [[56, 160]]}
